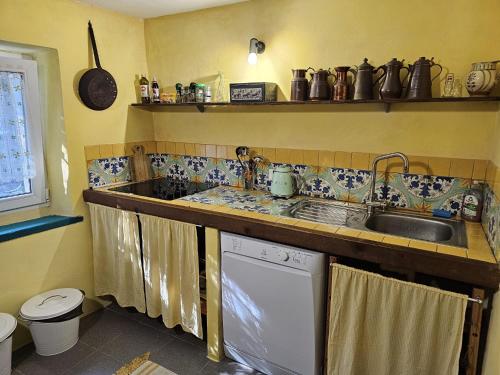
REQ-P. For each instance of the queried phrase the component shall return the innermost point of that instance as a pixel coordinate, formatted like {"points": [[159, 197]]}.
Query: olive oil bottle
{"points": [[144, 84]]}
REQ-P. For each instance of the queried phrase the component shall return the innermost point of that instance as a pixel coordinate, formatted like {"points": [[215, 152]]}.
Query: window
{"points": [[22, 172]]}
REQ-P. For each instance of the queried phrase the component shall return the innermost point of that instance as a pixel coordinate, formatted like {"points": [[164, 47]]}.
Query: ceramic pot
{"points": [[482, 79]]}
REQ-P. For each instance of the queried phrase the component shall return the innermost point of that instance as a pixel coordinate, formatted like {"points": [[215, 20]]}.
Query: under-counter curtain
{"points": [[117, 255], [380, 325], [171, 272]]}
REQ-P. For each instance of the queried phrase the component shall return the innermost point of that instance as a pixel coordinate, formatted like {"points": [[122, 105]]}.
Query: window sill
{"points": [[28, 227]]}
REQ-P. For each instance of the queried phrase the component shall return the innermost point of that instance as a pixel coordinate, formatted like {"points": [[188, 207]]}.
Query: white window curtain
{"points": [[16, 164]]}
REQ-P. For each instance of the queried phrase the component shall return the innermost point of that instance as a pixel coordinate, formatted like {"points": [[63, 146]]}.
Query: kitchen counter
{"points": [[257, 214]]}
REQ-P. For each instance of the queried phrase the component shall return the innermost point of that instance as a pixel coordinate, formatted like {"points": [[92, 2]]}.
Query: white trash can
{"points": [[54, 318], [7, 326]]}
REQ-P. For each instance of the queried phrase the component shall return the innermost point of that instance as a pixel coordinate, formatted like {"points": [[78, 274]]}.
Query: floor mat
{"points": [[143, 366]]}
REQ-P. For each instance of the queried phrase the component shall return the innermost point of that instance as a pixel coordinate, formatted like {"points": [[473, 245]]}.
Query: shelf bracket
{"points": [[387, 107], [201, 108]]}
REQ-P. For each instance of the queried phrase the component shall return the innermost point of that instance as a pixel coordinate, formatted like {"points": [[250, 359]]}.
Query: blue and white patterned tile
{"points": [[306, 175], [159, 164], [406, 191], [338, 180], [490, 220], [215, 174], [395, 197], [262, 181], [103, 172], [196, 165], [361, 195], [253, 200], [233, 171], [321, 188], [445, 193], [359, 184]]}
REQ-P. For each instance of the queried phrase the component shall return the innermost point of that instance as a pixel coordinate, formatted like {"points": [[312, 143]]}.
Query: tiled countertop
{"points": [[262, 206]]}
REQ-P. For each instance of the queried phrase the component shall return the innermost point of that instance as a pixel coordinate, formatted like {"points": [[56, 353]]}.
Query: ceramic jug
{"points": [[391, 86], [363, 80], [420, 82], [319, 88], [300, 85], [284, 182], [482, 79]]}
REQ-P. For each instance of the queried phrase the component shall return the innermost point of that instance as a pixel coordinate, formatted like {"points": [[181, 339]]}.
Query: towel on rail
{"points": [[380, 325]]}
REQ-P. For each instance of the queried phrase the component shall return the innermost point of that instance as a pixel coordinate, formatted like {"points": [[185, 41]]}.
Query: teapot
{"points": [[420, 82], [319, 89], [363, 80], [284, 182], [391, 86]]}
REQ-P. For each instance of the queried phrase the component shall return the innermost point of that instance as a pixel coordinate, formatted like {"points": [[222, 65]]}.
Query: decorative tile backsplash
{"points": [[491, 219], [337, 175], [410, 191], [103, 172]]}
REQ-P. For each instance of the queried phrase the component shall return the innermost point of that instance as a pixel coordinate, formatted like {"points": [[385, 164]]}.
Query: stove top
{"points": [[165, 188]]}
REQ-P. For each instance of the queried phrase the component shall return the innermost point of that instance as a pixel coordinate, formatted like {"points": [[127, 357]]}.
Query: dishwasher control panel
{"points": [[270, 251]]}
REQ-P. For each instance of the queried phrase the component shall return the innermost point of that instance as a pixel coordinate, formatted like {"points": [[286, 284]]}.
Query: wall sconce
{"points": [[256, 47]]}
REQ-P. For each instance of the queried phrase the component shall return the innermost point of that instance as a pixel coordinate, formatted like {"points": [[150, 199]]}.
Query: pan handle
{"points": [[94, 47]]}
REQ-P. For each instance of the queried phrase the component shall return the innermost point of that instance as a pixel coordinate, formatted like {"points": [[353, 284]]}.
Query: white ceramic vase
{"points": [[482, 78]]}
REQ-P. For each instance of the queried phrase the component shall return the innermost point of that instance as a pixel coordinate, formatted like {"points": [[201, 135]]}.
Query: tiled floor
{"points": [[112, 337]]}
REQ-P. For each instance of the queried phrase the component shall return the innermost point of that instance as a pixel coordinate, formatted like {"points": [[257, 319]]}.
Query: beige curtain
{"points": [[171, 272], [380, 325], [117, 255]]}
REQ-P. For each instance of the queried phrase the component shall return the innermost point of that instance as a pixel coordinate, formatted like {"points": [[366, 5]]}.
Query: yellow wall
{"points": [[63, 257], [322, 33]]}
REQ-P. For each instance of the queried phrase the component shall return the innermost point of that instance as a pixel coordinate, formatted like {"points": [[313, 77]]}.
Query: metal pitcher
{"points": [[319, 88], [299, 85], [341, 85], [420, 82], [392, 86], [363, 80]]}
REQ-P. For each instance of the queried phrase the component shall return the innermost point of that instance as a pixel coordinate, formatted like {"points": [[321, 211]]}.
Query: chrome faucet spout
{"points": [[373, 201]]}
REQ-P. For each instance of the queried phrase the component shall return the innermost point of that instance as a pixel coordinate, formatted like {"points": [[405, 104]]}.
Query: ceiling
{"points": [[156, 8]]}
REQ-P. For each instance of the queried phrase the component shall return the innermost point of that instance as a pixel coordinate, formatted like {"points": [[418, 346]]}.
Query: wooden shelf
{"points": [[385, 104]]}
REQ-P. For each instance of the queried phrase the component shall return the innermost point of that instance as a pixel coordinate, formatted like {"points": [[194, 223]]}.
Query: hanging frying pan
{"points": [[97, 87]]}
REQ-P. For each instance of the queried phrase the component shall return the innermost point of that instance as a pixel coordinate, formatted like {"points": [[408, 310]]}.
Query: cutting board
{"points": [[141, 165]]}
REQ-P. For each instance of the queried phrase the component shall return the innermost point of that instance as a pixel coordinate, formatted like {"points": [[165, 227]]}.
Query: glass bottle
{"points": [[156, 90], [144, 84]]}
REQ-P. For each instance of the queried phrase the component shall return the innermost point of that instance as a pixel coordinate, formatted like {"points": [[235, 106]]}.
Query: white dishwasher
{"points": [[272, 305]]}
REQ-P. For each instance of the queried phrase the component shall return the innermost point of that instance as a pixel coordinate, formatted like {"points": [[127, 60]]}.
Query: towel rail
{"points": [[475, 300]]}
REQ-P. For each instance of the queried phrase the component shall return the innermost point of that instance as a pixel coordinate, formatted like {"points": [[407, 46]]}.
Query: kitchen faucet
{"points": [[372, 202], [250, 167]]}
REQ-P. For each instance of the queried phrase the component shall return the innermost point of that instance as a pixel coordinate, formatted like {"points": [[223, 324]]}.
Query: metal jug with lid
{"points": [[420, 82], [363, 80], [319, 87], [299, 85], [391, 86]]}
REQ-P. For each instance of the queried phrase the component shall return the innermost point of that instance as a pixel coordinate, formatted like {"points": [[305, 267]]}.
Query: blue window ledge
{"points": [[25, 228]]}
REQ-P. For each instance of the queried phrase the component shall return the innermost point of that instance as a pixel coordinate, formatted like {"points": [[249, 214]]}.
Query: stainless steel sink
{"points": [[450, 232]]}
